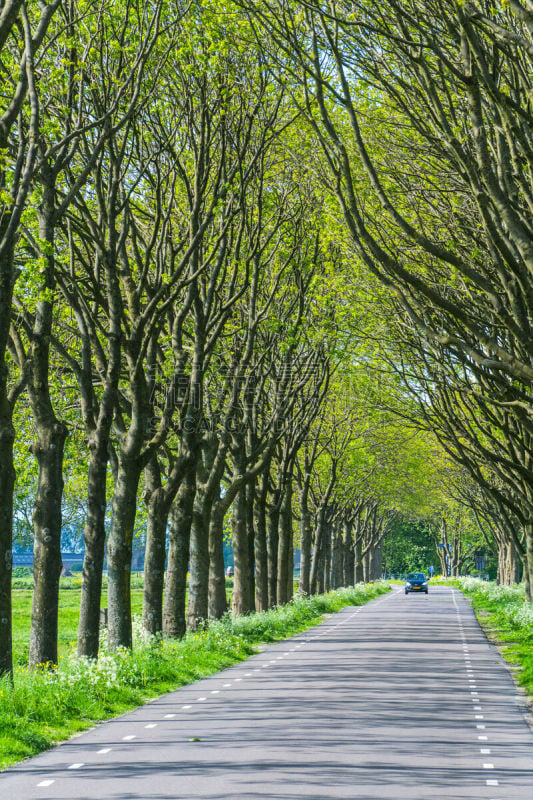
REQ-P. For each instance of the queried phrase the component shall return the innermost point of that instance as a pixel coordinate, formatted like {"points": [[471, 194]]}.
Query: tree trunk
{"points": [[7, 483], [156, 537], [93, 560], [272, 547], [305, 539], [119, 552], [218, 604], [336, 555], [284, 542], [198, 606], [242, 595], [178, 558], [260, 542], [326, 566], [358, 558], [48, 450], [249, 489], [348, 555]]}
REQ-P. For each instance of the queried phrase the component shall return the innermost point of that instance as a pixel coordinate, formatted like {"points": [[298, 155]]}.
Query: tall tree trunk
{"points": [[358, 558], [249, 489], [260, 542], [198, 606], [174, 625], [119, 551], [305, 538], [336, 555], [242, 595], [7, 483], [158, 507], [326, 566], [93, 560], [348, 554], [272, 547], [284, 541], [218, 604], [48, 450]]}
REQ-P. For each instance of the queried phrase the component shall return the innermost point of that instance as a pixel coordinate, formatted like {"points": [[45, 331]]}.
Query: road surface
{"points": [[401, 698]]}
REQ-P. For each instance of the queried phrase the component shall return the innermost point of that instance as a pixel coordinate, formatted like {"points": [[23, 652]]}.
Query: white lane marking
{"points": [[186, 707], [151, 725], [478, 708], [485, 751], [128, 738], [492, 783], [279, 658], [481, 727], [227, 685], [237, 680], [215, 691], [480, 716], [257, 670], [78, 765], [474, 693], [103, 751], [286, 653], [45, 783], [483, 738], [201, 699], [488, 766], [169, 716]]}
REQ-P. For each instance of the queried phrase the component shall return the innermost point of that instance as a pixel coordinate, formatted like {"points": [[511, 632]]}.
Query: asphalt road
{"points": [[401, 698]]}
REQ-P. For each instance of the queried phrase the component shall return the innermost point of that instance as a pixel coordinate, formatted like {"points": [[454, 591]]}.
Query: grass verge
{"points": [[507, 619], [46, 707]]}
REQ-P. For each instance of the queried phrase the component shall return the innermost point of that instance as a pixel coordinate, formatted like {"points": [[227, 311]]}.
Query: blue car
{"points": [[416, 582]]}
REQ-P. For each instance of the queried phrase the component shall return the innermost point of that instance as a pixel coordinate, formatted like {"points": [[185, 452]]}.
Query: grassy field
{"points": [[44, 707], [69, 611], [507, 619]]}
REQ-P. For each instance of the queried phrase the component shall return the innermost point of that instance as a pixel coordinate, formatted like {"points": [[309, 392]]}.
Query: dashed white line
{"points": [[215, 691], [128, 738], [169, 716], [492, 783], [201, 699], [483, 738], [488, 766], [185, 708], [78, 765], [227, 685], [103, 751], [485, 751], [151, 725], [480, 727], [45, 783]]}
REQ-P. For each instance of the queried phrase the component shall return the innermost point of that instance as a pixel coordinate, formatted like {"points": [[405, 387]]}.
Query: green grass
{"points": [[69, 611], [507, 618], [46, 707]]}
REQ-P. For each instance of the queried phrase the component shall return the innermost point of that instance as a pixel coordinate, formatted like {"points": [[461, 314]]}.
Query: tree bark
{"points": [[93, 560], [284, 542], [174, 625], [119, 551], [7, 483], [198, 606], [305, 538], [48, 450], [218, 604], [260, 542], [154, 560], [242, 594], [272, 547], [358, 558], [348, 555]]}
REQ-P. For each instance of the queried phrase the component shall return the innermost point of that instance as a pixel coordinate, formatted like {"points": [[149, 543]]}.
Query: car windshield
{"points": [[416, 576]]}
